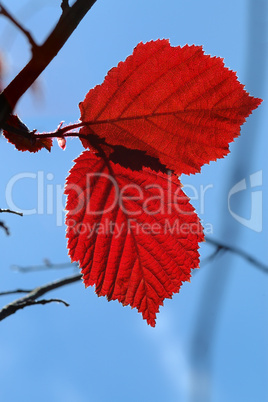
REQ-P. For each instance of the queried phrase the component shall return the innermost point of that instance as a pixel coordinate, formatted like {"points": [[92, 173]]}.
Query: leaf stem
{"points": [[62, 132]]}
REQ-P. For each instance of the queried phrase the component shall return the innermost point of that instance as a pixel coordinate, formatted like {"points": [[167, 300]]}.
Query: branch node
{"points": [[65, 6], [31, 298]]}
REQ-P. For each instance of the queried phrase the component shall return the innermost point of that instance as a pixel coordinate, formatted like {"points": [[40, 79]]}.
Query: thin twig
{"points": [[12, 292], [11, 212], [30, 298], [241, 253], [7, 14], [4, 226], [44, 267]]}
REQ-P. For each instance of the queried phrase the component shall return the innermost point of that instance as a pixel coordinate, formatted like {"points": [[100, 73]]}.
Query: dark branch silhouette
{"points": [[32, 295], [31, 298], [65, 6], [235, 250], [4, 226], [13, 292], [11, 212], [43, 55]]}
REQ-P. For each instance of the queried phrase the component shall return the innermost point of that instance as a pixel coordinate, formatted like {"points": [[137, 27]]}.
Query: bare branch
{"points": [[7, 14], [12, 308], [13, 292], [11, 212], [30, 298], [2, 224], [45, 301], [221, 247], [43, 55], [43, 267]]}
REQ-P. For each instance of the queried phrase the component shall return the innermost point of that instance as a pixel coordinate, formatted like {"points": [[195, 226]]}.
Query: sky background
{"points": [[210, 340]]}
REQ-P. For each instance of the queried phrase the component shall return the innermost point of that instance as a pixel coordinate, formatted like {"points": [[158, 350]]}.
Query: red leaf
{"points": [[25, 141], [177, 104], [135, 234]]}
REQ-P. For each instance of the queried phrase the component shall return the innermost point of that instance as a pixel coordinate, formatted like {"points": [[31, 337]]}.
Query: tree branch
{"points": [[4, 226], [222, 247], [32, 295], [30, 298], [12, 292], [43, 55], [11, 212], [45, 301]]}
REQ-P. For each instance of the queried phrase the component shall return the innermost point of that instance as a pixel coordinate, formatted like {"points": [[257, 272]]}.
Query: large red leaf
{"points": [[177, 104], [134, 233]]}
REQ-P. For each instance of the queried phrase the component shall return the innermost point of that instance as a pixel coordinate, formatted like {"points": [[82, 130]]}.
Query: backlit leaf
{"points": [[134, 233], [177, 104]]}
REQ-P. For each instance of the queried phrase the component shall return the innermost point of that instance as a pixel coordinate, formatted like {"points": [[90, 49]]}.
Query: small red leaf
{"points": [[134, 233], [177, 104], [25, 141]]}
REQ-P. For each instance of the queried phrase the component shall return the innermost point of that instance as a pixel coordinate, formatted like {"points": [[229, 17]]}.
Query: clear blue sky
{"points": [[212, 346]]}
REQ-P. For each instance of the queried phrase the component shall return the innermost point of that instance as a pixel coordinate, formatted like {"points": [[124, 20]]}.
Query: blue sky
{"points": [[210, 341]]}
